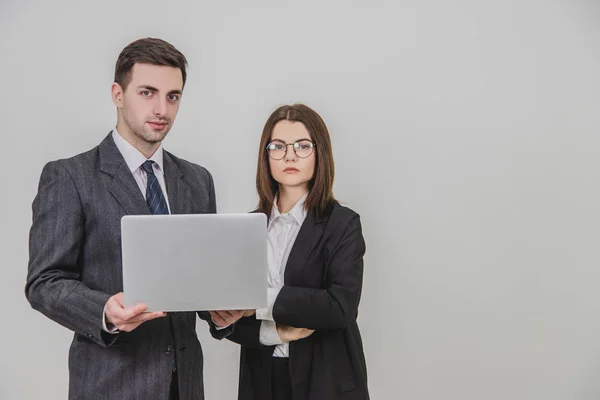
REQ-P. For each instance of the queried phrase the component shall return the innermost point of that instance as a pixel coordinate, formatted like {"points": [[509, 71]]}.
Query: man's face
{"points": [[150, 102]]}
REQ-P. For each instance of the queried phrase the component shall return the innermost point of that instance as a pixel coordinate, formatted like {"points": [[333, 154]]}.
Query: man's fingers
{"points": [[233, 316], [146, 316], [117, 315], [119, 299], [134, 311], [117, 311], [218, 319], [131, 324], [226, 315], [127, 319], [114, 311]]}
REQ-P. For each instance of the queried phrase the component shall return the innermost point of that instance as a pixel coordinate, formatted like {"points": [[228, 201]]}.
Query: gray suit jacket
{"points": [[75, 266]]}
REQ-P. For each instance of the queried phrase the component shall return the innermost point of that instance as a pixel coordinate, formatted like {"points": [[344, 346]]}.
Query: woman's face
{"points": [[295, 168]]}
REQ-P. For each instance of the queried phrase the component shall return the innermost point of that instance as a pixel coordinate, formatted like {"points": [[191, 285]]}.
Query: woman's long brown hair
{"points": [[320, 196]]}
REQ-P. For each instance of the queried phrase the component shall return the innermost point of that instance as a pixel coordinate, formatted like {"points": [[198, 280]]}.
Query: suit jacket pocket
{"points": [[122, 340]]}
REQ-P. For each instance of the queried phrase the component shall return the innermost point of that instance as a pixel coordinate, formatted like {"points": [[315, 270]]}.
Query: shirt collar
{"points": [[298, 212], [133, 157]]}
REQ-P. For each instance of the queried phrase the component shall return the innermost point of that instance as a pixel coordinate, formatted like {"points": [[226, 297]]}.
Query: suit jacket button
{"points": [[168, 350]]}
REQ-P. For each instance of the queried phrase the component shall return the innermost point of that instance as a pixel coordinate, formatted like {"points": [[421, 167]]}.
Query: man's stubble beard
{"points": [[147, 135]]}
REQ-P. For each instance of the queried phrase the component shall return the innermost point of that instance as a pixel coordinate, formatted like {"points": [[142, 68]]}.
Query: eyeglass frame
{"points": [[290, 144]]}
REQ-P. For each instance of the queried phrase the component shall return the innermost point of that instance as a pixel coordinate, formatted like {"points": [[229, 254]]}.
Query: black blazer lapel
{"points": [[178, 191], [122, 184], [309, 235]]}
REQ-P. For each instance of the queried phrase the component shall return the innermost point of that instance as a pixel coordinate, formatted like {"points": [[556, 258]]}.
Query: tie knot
{"points": [[147, 166]]}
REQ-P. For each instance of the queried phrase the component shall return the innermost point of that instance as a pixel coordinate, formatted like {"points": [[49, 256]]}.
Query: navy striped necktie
{"points": [[154, 195]]}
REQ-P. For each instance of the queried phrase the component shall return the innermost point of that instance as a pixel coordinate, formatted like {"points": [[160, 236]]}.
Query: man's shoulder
{"points": [[77, 169], [189, 169], [80, 161]]}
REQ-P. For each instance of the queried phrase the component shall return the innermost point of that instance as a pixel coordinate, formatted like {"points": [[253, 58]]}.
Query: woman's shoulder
{"points": [[341, 212], [342, 221], [340, 218]]}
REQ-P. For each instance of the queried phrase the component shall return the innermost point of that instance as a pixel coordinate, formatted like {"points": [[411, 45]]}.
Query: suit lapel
{"points": [[309, 235], [178, 191], [122, 184]]}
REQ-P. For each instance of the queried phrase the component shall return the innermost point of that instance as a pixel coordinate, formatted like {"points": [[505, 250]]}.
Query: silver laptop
{"points": [[195, 262]]}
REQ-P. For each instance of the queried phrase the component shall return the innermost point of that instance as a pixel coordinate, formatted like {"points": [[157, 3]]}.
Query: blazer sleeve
{"points": [[53, 286], [212, 203], [216, 333], [246, 331], [336, 305]]}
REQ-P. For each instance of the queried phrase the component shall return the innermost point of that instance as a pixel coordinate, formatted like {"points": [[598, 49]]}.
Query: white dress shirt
{"points": [[281, 235], [134, 160]]}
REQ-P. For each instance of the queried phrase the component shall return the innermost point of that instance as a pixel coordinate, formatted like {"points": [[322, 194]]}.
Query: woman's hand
{"points": [[290, 334]]}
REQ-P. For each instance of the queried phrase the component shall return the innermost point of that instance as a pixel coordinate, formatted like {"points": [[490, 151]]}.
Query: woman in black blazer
{"points": [[306, 345]]}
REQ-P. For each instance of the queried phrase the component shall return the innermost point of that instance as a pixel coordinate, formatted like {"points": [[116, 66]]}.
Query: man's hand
{"points": [[249, 313], [127, 319], [225, 318], [290, 334]]}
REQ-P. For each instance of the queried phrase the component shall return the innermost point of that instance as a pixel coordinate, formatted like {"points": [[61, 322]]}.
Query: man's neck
{"points": [[147, 149]]}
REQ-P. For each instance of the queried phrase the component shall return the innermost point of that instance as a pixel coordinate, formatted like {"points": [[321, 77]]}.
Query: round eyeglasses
{"points": [[303, 148]]}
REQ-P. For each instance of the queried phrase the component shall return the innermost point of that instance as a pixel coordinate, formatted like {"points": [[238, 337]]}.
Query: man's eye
{"points": [[146, 93], [173, 97]]}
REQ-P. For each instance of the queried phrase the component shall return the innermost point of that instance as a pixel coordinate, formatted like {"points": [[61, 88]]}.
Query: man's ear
{"points": [[117, 94]]}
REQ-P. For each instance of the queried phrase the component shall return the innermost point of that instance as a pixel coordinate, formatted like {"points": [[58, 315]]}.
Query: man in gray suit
{"points": [[74, 274]]}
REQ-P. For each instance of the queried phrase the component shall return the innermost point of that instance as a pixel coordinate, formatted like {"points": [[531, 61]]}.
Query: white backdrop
{"points": [[465, 133]]}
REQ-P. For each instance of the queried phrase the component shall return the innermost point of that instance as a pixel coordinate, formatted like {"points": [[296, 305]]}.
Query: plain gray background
{"points": [[465, 134]]}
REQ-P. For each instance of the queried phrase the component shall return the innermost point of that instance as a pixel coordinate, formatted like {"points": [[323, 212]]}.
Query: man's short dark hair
{"points": [[148, 51]]}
